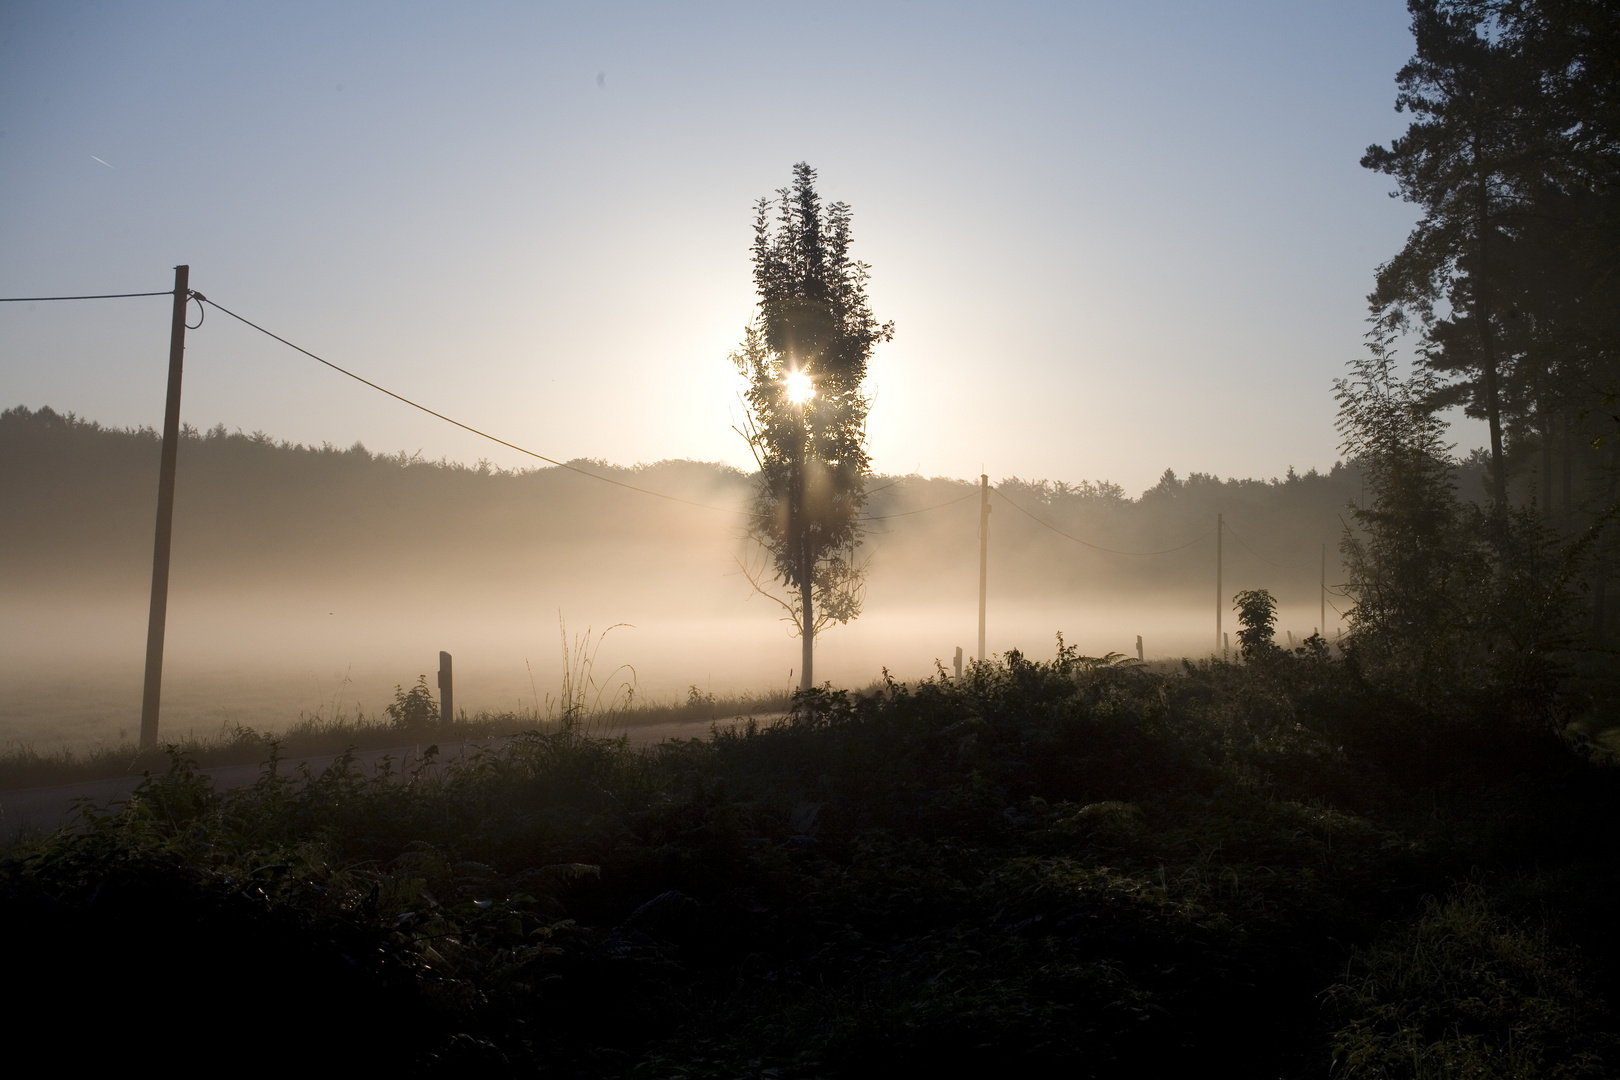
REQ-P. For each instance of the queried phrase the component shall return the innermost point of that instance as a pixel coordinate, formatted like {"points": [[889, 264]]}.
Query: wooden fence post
{"points": [[447, 693]]}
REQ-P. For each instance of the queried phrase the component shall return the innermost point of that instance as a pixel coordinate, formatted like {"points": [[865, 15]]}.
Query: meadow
{"points": [[310, 580]]}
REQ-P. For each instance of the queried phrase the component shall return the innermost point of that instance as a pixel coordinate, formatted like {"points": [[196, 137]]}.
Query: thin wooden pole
{"points": [[1219, 604], [152, 691], [447, 690], [1323, 623], [984, 552]]}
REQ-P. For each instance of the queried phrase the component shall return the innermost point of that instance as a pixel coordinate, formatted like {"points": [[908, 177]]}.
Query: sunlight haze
{"points": [[1114, 238]]}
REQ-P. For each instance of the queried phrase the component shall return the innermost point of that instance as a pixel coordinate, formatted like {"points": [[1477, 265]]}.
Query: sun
{"points": [[798, 387]]}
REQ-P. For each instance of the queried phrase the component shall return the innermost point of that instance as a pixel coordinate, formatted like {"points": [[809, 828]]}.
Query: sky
{"points": [[1114, 237]]}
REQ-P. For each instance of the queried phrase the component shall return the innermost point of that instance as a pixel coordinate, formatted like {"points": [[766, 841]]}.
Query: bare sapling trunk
{"points": [[807, 634]]}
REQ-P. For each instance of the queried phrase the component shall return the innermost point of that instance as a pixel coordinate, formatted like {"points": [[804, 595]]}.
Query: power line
{"points": [[886, 487], [924, 510], [524, 450], [1089, 544], [1262, 558], [467, 427], [98, 296], [573, 468]]}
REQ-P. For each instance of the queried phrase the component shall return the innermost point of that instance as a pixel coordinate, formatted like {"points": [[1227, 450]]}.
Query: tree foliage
{"points": [[1509, 277], [1257, 622], [1509, 282], [1449, 599], [813, 323]]}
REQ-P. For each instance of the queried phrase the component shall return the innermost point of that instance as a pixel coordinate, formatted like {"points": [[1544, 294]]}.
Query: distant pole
{"points": [[1139, 646], [152, 691], [1219, 605], [1323, 623], [984, 551], [959, 661], [447, 691]]}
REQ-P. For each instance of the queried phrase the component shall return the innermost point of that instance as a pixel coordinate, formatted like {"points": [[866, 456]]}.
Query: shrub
{"points": [[1257, 618], [415, 708], [1463, 992]]}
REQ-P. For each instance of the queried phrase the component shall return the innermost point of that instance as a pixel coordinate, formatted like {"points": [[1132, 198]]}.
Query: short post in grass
{"points": [[959, 661], [447, 693], [1138, 647]]}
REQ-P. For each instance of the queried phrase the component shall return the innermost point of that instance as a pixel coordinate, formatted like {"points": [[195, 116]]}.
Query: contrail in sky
{"points": [[94, 158]]}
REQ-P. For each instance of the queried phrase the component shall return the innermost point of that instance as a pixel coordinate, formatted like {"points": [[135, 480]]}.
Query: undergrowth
{"points": [[1079, 865]]}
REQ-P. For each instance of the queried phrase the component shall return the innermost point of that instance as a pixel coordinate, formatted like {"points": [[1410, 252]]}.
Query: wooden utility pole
{"points": [[152, 691], [984, 551], [1323, 630], [447, 690], [1219, 602]]}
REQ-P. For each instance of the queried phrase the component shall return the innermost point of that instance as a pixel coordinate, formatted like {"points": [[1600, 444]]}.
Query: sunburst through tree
{"points": [[804, 356]]}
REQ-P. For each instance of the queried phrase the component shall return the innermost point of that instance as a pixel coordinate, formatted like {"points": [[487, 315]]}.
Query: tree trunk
{"points": [[1600, 590], [1600, 583], [1569, 470], [799, 523], [1487, 339], [807, 632], [1493, 409], [1546, 506]]}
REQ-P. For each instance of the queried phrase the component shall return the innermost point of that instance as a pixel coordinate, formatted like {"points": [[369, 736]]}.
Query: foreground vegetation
{"points": [[412, 720], [1077, 864]]}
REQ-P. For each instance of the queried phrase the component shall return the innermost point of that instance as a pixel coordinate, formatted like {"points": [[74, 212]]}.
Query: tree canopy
{"points": [[804, 357]]}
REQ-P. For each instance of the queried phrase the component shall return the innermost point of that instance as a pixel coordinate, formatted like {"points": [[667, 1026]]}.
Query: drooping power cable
{"points": [[469, 427], [1089, 544], [1262, 558], [98, 296]]}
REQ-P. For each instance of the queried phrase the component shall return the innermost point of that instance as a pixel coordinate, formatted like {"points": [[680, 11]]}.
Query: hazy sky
{"points": [[1114, 237]]}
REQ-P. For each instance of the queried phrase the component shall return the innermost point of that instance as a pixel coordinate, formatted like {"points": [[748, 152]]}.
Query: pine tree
{"points": [[1474, 145]]}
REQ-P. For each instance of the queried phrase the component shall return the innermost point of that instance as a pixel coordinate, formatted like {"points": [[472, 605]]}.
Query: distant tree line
{"points": [[252, 508]]}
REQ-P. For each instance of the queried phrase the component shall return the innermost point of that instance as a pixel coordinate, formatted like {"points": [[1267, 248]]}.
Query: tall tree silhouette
{"points": [[1474, 141], [804, 356]]}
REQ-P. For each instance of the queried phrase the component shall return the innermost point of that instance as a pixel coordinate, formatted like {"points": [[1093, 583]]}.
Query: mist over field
{"points": [[314, 580]]}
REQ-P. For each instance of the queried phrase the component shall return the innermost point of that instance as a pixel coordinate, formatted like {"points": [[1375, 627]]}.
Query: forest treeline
{"points": [[252, 508]]}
